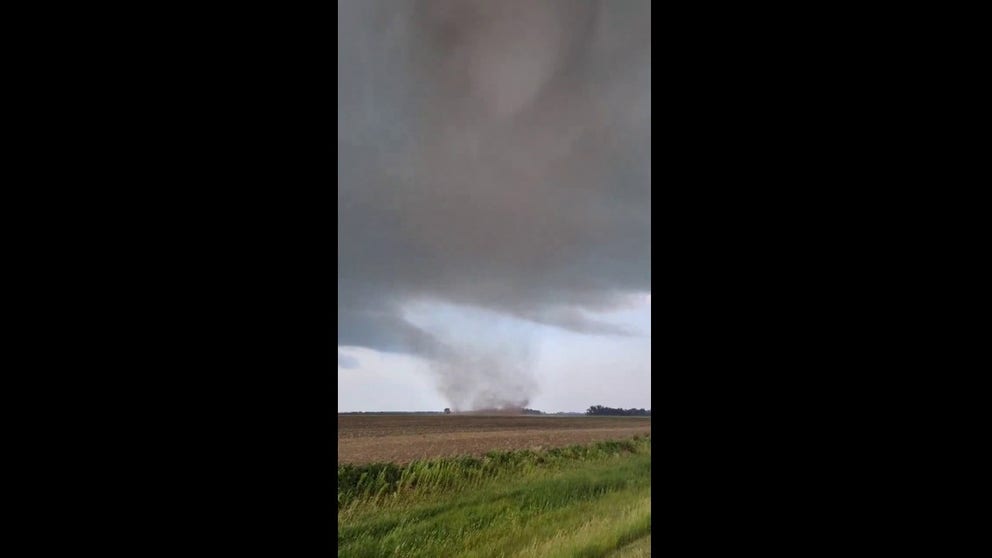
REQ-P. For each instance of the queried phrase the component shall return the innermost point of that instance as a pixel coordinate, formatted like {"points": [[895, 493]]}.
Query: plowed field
{"points": [[402, 439]]}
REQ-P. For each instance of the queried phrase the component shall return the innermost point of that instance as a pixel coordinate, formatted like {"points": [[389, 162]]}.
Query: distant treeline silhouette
{"points": [[599, 410]]}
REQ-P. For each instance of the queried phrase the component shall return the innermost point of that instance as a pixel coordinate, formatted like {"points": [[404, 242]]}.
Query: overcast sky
{"points": [[493, 204]]}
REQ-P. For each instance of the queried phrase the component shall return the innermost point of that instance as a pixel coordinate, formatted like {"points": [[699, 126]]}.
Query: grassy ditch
{"points": [[577, 501]]}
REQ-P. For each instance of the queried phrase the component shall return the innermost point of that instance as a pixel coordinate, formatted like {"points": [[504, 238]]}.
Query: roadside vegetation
{"points": [[590, 500]]}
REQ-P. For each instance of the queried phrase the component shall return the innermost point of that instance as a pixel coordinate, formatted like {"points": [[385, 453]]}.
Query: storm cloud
{"points": [[493, 155], [346, 361]]}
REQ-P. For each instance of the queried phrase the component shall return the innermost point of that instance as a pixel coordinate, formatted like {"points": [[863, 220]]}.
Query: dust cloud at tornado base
{"points": [[491, 156]]}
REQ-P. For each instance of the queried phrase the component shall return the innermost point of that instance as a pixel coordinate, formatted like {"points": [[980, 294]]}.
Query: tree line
{"points": [[599, 410]]}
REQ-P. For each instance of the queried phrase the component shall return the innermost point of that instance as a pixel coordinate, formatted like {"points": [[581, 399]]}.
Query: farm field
{"points": [[581, 500], [402, 439]]}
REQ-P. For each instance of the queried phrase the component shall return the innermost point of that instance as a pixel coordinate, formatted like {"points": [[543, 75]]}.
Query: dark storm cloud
{"points": [[491, 154]]}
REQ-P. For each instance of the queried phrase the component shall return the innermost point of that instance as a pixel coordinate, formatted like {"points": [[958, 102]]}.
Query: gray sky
{"points": [[493, 204]]}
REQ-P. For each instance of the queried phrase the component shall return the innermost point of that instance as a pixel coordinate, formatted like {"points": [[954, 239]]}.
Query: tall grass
{"points": [[575, 501], [377, 480]]}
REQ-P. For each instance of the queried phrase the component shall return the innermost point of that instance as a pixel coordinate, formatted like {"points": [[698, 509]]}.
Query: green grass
{"points": [[637, 549], [579, 501]]}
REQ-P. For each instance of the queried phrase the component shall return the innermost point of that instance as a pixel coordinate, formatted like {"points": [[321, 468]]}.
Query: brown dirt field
{"points": [[401, 439]]}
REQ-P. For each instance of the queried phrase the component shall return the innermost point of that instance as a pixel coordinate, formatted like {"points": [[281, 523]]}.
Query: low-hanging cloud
{"points": [[492, 155], [347, 361]]}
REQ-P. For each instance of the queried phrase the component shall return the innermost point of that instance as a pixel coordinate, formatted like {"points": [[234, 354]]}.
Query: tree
{"points": [[599, 410]]}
